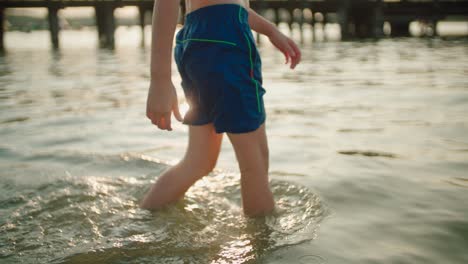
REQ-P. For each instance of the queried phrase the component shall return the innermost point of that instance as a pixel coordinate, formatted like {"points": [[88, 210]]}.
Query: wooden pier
{"points": [[357, 18]]}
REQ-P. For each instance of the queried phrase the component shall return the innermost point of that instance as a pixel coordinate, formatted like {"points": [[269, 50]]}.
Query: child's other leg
{"points": [[199, 160], [252, 154]]}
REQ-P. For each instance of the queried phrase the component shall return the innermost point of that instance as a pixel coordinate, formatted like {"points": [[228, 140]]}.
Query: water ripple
{"points": [[76, 219]]}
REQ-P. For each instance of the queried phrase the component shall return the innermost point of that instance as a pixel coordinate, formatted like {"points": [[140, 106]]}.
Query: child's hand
{"points": [[287, 46], [161, 102]]}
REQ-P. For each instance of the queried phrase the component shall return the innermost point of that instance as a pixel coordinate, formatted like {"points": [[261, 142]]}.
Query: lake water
{"points": [[368, 143]]}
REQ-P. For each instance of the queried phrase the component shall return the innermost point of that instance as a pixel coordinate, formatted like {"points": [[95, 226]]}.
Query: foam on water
{"points": [[81, 213]]}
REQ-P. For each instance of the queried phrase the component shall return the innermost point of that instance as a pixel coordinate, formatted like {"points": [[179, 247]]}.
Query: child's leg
{"points": [[252, 154], [199, 160]]}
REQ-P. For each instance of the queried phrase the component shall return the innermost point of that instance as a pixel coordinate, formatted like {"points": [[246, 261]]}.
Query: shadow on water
{"points": [[55, 65], [367, 153], [84, 208]]}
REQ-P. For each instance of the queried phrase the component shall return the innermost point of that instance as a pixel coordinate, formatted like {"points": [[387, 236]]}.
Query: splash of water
{"points": [[77, 219]]}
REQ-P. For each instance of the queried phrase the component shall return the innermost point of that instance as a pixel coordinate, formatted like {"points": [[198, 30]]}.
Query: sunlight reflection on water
{"points": [[368, 144]]}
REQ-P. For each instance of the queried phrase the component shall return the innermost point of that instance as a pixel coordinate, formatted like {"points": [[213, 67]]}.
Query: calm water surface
{"points": [[368, 142]]}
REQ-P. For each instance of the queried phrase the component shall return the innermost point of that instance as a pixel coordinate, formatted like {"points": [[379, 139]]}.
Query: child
{"points": [[220, 67]]}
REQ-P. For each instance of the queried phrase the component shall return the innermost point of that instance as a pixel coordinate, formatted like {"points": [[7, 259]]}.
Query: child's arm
{"points": [[278, 39], [162, 98]]}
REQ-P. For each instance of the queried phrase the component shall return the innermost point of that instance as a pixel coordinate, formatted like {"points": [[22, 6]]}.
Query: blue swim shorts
{"points": [[220, 68]]}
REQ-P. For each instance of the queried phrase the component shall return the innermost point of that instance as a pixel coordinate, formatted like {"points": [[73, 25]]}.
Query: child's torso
{"points": [[191, 5]]}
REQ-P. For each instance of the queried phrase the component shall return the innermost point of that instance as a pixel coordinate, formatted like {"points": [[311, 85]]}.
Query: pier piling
{"points": [[183, 11], [400, 28], [54, 26], [105, 23], [344, 19], [2, 29], [141, 16], [313, 26], [361, 19], [378, 20]]}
